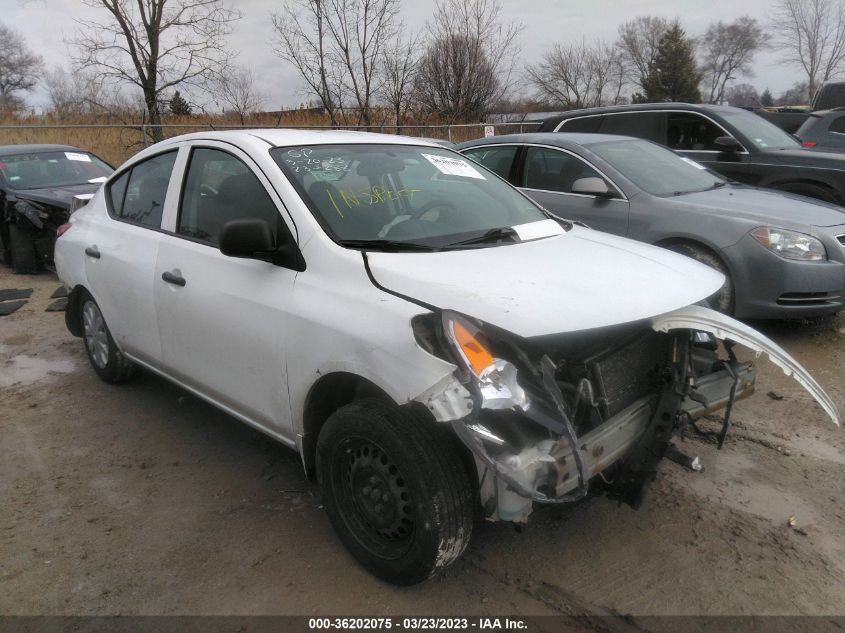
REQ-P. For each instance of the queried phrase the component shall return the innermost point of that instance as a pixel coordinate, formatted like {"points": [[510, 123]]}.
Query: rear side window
{"points": [[647, 125], [553, 170], [499, 160], [588, 124], [838, 125], [219, 188], [138, 195]]}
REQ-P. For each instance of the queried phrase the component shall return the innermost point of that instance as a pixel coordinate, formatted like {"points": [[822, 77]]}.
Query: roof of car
{"points": [[282, 137], [558, 139], [8, 150], [638, 107]]}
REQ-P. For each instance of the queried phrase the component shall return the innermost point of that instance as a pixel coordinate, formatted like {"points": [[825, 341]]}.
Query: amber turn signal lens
{"points": [[476, 354]]}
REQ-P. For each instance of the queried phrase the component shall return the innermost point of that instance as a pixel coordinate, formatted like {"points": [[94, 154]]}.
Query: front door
{"points": [[223, 319], [547, 176]]}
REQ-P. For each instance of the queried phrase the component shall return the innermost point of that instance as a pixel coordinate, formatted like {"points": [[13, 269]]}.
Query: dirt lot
{"points": [[140, 499]]}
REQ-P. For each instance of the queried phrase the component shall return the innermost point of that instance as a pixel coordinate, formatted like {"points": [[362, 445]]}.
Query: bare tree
{"points": [[811, 34], [236, 90], [300, 39], [337, 47], [579, 75], [727, 51], [19, 69], [799, 94], [637, 43], [66, 99], [743, 96], [469, 61], [399, 67], [155, 45]]}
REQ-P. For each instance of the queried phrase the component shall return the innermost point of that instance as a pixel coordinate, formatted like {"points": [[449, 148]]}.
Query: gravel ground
{"points": [[141, 499]]}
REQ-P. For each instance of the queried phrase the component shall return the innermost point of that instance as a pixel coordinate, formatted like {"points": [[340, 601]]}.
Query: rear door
{"points": [[223, 319], [547, 175], [121, 256], [500, 159]]}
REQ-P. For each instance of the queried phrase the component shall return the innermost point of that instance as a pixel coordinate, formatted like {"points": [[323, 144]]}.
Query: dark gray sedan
{"points": [[782, 255]]}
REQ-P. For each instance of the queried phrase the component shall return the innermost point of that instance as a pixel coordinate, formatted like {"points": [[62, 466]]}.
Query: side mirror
{"points": [[246, 238], [592, 187], [728, 144], [253, 239]]}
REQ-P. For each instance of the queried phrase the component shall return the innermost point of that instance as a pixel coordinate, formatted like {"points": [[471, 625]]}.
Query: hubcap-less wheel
{"points": [[375, 500], [96, 336]]}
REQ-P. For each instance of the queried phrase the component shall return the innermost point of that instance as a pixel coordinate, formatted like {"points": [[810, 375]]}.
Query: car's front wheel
{"points": [[395, 489], [106, 359], [723, 299]]}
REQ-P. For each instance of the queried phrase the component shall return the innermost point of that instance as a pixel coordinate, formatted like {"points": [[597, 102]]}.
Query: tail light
{"points": [[808, 143], [62, 229]]}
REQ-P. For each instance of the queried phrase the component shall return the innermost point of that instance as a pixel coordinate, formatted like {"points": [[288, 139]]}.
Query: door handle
{"points": [[173, 278], [92, 251]]}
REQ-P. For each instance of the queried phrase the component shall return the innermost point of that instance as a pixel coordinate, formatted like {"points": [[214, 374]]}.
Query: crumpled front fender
{"points": [[724, 327], [29, 211]]}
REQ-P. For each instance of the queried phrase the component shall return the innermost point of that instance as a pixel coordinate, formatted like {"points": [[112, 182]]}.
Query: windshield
{"points": [[762, 134], [655, 169], [410, 194], [39, 170]]}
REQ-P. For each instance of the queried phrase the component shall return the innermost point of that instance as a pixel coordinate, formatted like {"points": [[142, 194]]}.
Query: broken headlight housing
{"points": [[495, 378]]}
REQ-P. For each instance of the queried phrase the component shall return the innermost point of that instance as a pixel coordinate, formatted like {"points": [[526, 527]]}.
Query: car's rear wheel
{"points": [[395, 489], [106, 359], [723, 299], [22, 250]]}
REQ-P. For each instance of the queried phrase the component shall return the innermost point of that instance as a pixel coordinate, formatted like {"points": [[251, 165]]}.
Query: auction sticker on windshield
{"points": [[83, 158], [453, 166]]}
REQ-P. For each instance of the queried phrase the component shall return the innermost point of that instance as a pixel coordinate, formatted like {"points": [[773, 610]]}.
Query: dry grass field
{"points": [[116, 144]]}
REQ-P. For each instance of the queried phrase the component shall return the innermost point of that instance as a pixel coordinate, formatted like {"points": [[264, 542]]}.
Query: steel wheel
{"points": [[374, 498], [96, 335]]}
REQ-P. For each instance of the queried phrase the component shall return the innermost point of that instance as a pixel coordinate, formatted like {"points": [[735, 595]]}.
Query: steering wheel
{"points": [[207, 190], [437, 203]]}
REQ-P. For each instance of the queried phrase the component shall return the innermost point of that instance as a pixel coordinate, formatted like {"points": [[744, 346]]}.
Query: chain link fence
{"points": [[117, 142]]}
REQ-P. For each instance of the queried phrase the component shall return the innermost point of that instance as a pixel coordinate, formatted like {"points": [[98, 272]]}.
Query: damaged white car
{"points": [[428, 338]]}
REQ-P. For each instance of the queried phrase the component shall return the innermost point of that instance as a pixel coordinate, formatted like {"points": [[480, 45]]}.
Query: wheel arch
{"points": [[73, 310], [779, 184], [697, 243], [331, 392]]}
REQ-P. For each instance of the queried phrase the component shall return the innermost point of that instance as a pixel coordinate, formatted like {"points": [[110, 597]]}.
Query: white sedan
{"points": [[424, 335]]}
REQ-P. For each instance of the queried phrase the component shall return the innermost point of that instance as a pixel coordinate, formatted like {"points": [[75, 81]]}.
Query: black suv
{"points": [[732, 141]]}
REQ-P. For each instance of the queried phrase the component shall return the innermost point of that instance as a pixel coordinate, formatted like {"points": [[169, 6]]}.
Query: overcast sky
{"points": [[46, 23]]}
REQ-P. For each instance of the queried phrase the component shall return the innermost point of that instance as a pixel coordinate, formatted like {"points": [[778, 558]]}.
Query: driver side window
{"points": [[218, 188], [691, 132]]}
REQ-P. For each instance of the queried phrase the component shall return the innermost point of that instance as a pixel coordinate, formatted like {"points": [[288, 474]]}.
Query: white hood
{"points": [[579, 280]]}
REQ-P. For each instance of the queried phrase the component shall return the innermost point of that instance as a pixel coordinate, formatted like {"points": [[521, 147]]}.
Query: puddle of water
{"points": [[26, 370]]}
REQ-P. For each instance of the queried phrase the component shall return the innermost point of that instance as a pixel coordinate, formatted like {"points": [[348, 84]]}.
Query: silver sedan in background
{"points": [[782, 255]]}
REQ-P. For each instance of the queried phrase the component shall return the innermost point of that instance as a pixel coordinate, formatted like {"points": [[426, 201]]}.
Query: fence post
{"points": [[144, 133], [449, 132]]}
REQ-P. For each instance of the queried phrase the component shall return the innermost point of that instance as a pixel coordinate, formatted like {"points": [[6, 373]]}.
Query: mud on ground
{"points": [[141, 499]]}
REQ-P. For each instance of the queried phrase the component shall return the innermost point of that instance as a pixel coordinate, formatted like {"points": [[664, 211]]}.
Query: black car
{"points": [[37, 186], [734, 142]]}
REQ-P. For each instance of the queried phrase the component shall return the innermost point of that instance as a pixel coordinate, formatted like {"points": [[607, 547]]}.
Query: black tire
{"points": [[22, 251], [723, 299], [106, 359], [810, 190], [395, 489]]}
